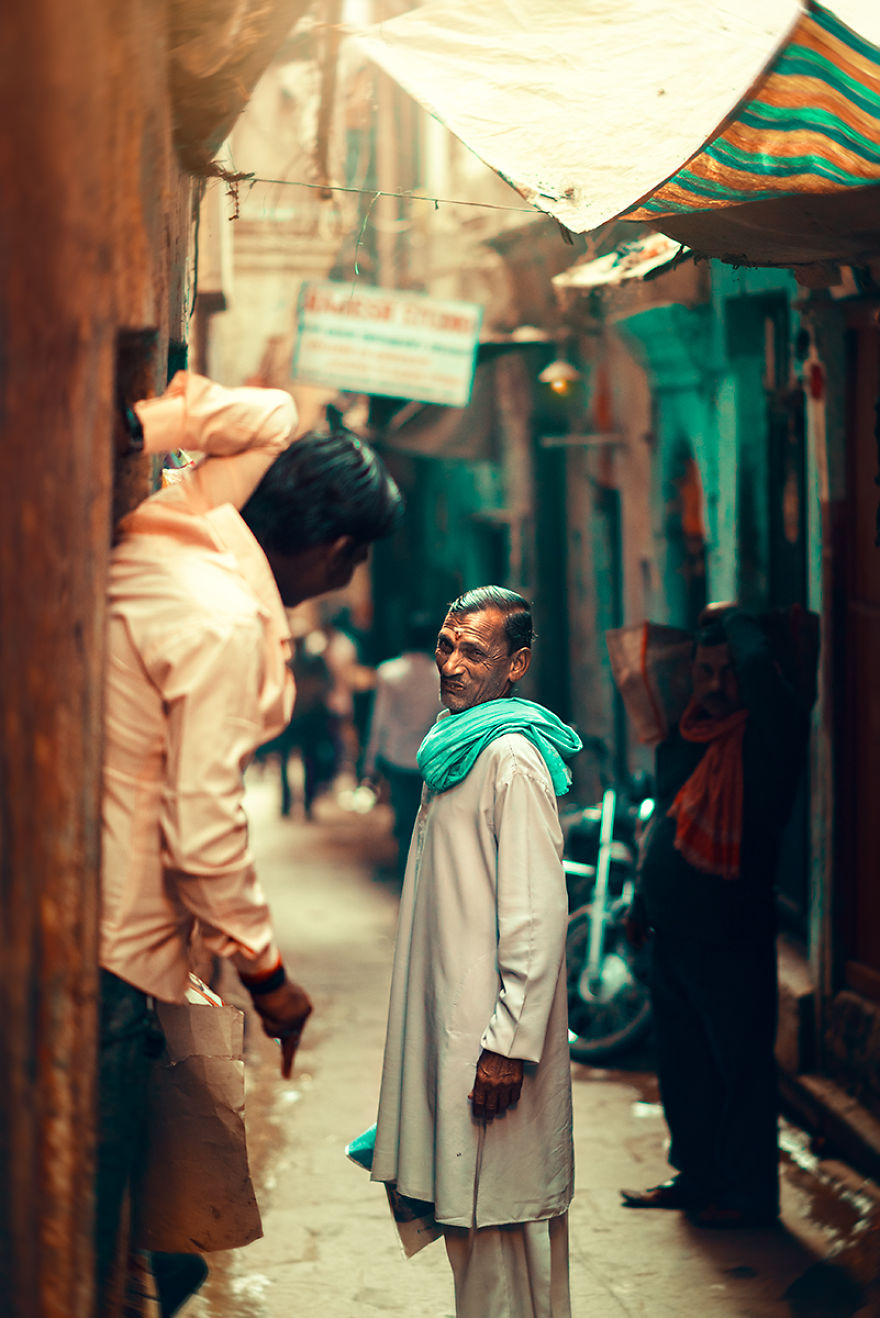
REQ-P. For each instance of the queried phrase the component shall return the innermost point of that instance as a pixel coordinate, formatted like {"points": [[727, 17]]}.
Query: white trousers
{"points": [[516, 1271]]}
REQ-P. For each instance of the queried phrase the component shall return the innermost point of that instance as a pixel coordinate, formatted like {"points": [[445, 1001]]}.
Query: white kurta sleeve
{"points": [[532, 914]]}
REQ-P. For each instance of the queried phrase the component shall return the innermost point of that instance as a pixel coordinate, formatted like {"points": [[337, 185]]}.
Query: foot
{"points": [[719, 1217], [670, 1194]]}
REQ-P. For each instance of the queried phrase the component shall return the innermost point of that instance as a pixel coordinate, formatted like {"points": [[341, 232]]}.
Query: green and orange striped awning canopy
{"points": [[812, 124], [749, 131]]}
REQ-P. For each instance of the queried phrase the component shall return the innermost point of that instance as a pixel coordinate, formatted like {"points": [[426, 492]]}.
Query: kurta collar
{"points": [[236, 537]]}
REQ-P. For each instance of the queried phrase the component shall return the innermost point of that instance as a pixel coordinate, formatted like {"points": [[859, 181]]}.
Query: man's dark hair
{"points": [[320, 488], [516, 610], [711, 633]]}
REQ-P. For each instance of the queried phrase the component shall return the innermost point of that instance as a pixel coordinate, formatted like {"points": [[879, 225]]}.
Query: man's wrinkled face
{"points": [[714, 680], [474, 662]]}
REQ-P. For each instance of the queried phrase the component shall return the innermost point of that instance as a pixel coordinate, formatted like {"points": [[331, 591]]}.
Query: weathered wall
{"points": [[283, 235], [93, 223], [826, 452]]}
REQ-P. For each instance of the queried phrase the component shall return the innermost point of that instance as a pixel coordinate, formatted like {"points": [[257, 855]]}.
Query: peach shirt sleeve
{"points": [[211, 687], [241, 432]]}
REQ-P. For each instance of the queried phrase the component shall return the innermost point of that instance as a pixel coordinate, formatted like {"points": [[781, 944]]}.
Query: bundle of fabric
{"points": [[450, 749]]}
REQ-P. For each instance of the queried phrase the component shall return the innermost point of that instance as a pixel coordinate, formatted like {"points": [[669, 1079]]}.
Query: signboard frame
{"points": [[368, 340]]}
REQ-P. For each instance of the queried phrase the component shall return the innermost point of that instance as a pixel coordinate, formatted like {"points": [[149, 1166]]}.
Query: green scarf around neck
{"points": [[449, 751]]}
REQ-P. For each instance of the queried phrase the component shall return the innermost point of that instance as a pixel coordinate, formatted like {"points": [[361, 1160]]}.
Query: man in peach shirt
{"points": [[197, 678]]}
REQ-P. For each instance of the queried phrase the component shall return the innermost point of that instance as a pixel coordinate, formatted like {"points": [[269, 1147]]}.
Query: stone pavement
{"points": [[330, 1249]]}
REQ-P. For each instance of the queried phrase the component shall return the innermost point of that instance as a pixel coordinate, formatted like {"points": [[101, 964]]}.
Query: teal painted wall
{"points": [[708, 367], [754, 325], [460, 541], [448, 542], [674, 344]]}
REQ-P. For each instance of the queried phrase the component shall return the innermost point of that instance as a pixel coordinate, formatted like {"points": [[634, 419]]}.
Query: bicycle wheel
{"points": [[610, 1015]]}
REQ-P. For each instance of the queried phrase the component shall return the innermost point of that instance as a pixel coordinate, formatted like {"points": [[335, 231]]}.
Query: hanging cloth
{"points": [[708, 808]]}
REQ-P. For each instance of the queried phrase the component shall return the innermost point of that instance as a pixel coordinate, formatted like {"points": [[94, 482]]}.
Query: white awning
{"points": [[584, 106], [747, 129]]}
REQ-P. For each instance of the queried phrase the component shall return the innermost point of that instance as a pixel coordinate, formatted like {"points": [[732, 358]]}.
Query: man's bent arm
{"points": [[770, 699], [241, 432]]}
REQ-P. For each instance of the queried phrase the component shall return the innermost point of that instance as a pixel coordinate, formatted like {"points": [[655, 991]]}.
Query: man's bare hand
{"points": [[497, 1085], [284, 1013]]}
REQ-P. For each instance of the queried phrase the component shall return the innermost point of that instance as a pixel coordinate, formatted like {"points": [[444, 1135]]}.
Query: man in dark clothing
{"points": [[727, 776]]}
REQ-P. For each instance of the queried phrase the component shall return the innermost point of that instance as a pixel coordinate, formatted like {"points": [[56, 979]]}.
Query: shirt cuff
{"points": [[248, 964], [267, 981], [509, 1040], [164, 418]]}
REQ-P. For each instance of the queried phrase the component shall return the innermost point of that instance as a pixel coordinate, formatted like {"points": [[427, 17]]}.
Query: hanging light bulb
{"points": [[560, 375]]}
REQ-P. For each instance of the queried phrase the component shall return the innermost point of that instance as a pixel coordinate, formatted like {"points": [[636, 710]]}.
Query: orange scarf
{"points": [[709, 806]]}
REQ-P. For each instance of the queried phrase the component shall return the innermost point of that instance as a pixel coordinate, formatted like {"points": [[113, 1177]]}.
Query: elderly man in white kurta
{"points": [[475, 1106]]}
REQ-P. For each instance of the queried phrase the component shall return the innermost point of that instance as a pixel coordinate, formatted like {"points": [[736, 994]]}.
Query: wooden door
{"points": [[858, 880]]}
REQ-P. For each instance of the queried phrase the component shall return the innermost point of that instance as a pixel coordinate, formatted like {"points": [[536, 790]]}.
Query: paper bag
{"points": [[651, 666], [193, 1192]]}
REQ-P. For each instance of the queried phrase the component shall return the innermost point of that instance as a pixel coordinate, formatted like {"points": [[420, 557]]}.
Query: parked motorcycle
{"points": [[609, 1007]]}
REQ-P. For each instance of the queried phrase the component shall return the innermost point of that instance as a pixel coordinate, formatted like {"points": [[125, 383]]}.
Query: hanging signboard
{"points": [[377, 341]]}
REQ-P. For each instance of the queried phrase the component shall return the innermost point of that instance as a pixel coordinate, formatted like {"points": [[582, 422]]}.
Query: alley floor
{"points": [[330, 1249]]}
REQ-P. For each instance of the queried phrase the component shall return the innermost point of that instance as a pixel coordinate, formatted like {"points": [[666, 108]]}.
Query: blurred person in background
{"points": [[197, 677], [340, 654], [360, 675], [311, 730], [407, 702], [314, 729], [726, 780]]}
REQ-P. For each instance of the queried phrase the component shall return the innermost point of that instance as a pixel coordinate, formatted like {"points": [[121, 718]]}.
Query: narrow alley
{"points": [[326, 321], [330, 1249]]}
